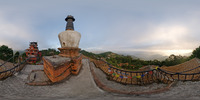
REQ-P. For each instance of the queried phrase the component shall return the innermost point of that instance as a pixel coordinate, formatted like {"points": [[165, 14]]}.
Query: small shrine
{"points": [[69, 61], [33, 53]]}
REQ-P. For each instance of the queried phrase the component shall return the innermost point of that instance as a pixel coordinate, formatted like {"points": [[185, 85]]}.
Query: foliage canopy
{"points": [[5, 52]]}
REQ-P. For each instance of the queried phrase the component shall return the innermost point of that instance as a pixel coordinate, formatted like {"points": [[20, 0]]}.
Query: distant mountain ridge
{"points": [[135, 55], [100, 55], [107, 54]]}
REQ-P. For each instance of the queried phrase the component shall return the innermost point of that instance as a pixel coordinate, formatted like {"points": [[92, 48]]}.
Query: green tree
{"points": [[195, 53], [174, 60], [5, 52], [49, 52], [24, 55]]}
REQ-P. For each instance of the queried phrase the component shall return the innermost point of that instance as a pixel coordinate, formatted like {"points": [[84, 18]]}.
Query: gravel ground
{"points": [[83, 87]]}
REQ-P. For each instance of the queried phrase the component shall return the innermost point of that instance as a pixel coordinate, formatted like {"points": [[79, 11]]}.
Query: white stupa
{"points": [[69, 39]]}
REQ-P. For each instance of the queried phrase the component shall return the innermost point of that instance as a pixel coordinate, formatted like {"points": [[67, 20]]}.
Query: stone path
{"points": [[83, 87]]}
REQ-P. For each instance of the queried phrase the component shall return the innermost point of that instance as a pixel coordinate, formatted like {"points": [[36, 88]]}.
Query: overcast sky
{"points": [[163, 26]]}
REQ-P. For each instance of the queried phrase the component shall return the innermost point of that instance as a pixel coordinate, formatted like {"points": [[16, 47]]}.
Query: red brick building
{"points": [[33, 53]]}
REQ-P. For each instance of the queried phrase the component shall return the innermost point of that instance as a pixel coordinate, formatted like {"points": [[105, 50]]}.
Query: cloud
{"points": [[104, 25], [13, 34]]}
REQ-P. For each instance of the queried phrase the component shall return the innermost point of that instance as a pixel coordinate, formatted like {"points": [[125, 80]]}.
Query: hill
{"points": [[104, 55], [109, 54], [120, 61], [89, 54]]}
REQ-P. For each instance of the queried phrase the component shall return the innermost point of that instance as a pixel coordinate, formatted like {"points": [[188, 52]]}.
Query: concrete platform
{"points": [[83, 87], [57, 61], [38, 77], [80, 86], [24, 73]]}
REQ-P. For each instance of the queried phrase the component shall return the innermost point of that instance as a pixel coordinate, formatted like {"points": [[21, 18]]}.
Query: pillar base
{"points": [[69, 52]]}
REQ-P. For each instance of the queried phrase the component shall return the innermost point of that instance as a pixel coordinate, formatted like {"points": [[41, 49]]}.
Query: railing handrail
{"points": [[130, 77], [168, 72], [14, 67], [7, 60], [177, 72], [164, 74], [189, 69]]}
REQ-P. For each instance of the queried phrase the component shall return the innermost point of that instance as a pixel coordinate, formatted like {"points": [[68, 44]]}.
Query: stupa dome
{"points": [[69, 38]]}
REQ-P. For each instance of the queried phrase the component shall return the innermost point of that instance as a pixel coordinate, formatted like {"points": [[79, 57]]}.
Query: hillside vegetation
{"points": [[127, 62], [120, 61]]}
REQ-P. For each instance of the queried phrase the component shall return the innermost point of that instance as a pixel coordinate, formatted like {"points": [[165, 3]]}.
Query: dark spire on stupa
{"points": [[70, 19]]}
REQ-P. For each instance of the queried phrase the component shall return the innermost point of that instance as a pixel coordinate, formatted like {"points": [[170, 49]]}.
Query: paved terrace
{"points": [[83, 86]]}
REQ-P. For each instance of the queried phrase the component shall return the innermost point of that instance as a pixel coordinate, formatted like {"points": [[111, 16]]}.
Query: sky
{"points": [[155, 26]]}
